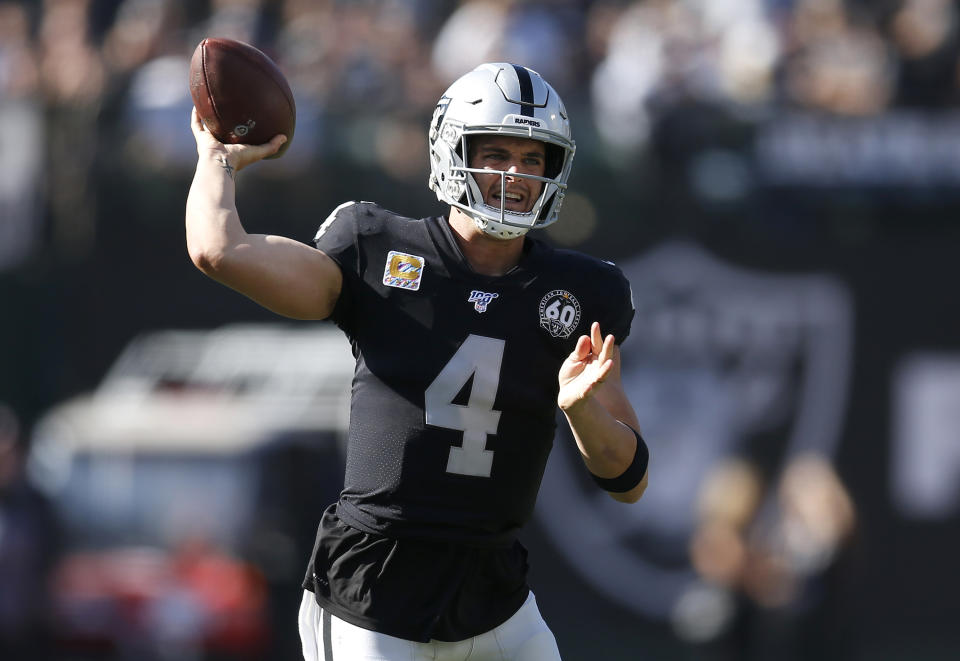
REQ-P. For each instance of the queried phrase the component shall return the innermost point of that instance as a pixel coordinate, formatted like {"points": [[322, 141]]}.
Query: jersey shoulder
{"points": [[359, 218], [599, 285], [594, 270]]}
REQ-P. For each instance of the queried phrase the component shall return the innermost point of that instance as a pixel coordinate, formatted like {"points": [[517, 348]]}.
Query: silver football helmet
{"points": [[500, 99]]}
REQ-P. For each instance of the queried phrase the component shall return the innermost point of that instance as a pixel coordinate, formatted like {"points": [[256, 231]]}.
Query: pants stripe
{"points": [[327, 638]]}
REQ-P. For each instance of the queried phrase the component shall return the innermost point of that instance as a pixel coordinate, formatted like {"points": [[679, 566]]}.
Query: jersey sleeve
{"points": [[338, 238], [621, 307]]}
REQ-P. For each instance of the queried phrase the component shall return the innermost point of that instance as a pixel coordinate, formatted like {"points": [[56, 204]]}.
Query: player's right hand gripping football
{"points": [[237, 157]]}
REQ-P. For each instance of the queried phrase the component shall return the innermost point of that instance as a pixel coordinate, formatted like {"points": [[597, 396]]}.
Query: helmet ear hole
{"points": [[554, 161]]}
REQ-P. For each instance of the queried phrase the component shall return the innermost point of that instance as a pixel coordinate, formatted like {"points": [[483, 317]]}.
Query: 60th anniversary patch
{"points": [[559, 313]]}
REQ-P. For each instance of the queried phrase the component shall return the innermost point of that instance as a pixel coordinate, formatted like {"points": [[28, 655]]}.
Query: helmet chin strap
{"points": [[484, 225]]}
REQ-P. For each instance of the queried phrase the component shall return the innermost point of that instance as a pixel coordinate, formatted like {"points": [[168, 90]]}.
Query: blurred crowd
{"points": [[78, 76]]}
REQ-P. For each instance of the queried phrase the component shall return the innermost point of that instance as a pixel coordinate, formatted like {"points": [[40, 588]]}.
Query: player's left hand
{"points": [[585, 368]]}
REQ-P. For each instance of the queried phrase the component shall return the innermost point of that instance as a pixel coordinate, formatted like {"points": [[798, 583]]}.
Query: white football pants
{"points": [[325, 637]]}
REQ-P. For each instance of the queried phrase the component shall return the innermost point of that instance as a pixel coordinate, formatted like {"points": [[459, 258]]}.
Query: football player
{"points": [[468, 334]]}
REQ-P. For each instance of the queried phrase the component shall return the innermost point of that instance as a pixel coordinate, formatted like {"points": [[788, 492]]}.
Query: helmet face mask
{"points": [[506, 100]]}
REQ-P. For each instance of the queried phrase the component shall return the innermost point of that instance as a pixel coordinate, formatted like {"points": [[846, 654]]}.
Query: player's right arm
{"points": [[283, 275]]}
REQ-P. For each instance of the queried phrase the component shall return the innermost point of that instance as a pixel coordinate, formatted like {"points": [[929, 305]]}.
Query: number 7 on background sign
{"points": [[479, 357]]}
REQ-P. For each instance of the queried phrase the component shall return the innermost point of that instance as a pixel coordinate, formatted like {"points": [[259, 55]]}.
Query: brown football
{"points": [[240, 94]]}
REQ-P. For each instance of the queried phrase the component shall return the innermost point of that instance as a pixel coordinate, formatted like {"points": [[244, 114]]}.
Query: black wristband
{"points": [[634, 473]]}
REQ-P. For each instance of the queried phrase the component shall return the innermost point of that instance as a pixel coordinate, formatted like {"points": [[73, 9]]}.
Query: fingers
{"points": [[258, 152], [596, 339], [276, 142], [588, 366], [195, 124], [582, 350], [606, 351], [595, 343], [204, 138], [603, 371], [602, 347], [240, 155]]}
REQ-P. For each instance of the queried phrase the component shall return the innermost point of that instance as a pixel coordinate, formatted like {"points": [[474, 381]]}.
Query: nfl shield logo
{"points": [[481, 299]]}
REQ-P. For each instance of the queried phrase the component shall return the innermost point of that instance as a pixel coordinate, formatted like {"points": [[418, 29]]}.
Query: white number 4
{"points": [[479, 357]]}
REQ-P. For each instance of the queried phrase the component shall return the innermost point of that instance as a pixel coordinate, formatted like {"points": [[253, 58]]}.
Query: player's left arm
{"points": [[601, 417]]}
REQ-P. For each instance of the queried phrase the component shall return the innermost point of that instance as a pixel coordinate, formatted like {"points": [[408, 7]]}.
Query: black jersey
{"points": [[453, 408], [454, 396]]}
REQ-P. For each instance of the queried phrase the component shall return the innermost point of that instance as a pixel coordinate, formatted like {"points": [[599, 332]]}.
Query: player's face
{"points": [[514, 156]]}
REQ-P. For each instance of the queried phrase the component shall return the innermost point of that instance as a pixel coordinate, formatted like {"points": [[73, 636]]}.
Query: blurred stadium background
{"points": [[780, 179]]}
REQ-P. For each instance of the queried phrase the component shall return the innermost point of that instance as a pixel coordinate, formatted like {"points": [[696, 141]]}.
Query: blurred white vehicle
{"points": [[189, 484]]}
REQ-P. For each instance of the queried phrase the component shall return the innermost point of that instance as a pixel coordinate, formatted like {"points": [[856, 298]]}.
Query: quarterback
{"points": [[468, 334]]}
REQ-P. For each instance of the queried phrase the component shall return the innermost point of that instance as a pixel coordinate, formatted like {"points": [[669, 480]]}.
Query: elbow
{"points": [[206, 260]]}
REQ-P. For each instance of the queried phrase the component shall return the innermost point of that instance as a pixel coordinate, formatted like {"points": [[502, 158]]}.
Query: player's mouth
{"points": [[513, 200]]}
